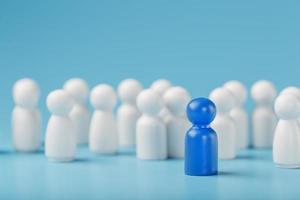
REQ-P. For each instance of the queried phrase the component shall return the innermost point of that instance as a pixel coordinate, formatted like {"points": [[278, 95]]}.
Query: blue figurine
{"points": [[201, 143]]}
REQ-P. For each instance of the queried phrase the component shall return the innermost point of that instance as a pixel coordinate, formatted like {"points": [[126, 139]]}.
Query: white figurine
{"points": [[151, 131], [26, 120], [264, 119], [60, 142], [176, 100], [286, 145], [223, 124], [294, 91], [80, 115], [128, 113], [103, 129], [238, 113], [291, 90], [161, 86]]}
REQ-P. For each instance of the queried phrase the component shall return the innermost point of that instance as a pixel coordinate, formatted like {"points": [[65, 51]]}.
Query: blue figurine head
{"points": [[201, 111]]}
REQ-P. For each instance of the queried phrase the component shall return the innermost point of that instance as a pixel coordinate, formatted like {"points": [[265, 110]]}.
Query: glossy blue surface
{"points": [[201, 152], [201, 111], [201, 142], [196, 44]]}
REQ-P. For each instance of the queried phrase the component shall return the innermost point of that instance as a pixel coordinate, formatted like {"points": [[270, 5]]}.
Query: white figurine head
{"points": [[176, 100], [287, 107], [291, 90], [26, 93], [59, 102], [78, 89], [223, 99], [238, 90], [128, 90], [149, 102], [161, 86], [263, 92], [103, 97]]}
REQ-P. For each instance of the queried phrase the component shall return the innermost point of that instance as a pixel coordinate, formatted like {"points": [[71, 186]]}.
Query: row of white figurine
{"points": [[153, 119], [231, 122]]}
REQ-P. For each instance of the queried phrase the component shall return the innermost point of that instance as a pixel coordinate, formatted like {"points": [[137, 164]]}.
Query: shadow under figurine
{"points": [[201, 142]]}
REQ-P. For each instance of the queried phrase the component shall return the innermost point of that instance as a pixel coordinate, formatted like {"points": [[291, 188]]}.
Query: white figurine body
{"points": [[286, 146], [26, 120], [128, 113], [60, 142], [238, 113], [151, 131], [103, 130], [80, 115], [161, 86], [176, 100], [223, 123], [264, 119]]}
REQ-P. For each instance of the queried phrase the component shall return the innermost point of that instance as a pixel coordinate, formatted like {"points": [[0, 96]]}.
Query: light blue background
{"points": [[197, 44]]}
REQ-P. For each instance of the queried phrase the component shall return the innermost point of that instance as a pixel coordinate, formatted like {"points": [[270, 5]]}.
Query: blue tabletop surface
{"points": [[251, 176], [196, 44]]}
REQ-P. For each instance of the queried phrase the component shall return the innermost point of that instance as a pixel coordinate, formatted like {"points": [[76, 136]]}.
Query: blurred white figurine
{"points": [[291, 90], [103, 129], [26, 120], [128, 113], [238, 113], [176, 100], [151, 131], [80, 115], [223, 124], [161, 86], [264, 119], [60, 142], [294, 91], [286, 145]]}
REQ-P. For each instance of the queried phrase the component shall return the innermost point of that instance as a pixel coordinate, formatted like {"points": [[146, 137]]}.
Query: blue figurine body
{"points": [[201, 143]]}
